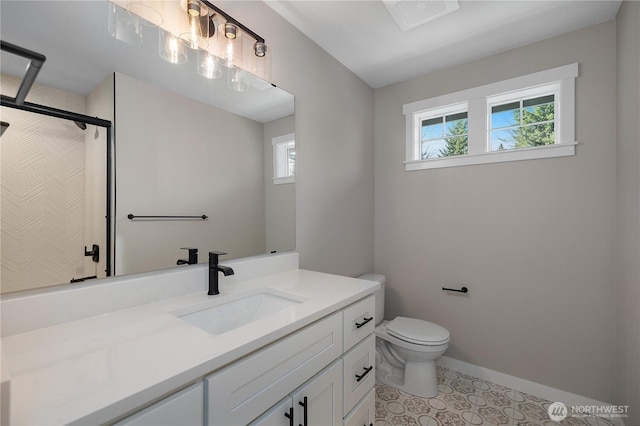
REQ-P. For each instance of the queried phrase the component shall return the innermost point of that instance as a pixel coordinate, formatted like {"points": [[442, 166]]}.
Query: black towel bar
{"points": [[131, 216], [462, 290]]}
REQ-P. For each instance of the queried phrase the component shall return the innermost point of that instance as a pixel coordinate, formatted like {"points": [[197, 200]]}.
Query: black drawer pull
{"points": [[366, 371], [289, 415], [366, 320], [304, 413]]}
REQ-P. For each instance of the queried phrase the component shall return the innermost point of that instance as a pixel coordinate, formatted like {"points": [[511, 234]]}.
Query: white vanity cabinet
{"points": [[280, 384], [241, 392], [312, 346], [359, 360], [320, 375], [182, 408]]}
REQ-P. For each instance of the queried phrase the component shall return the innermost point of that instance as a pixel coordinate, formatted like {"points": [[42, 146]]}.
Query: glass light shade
{"points": [[208, 65], [194, 25], [236, 80], [150, 11], [230, 48], [261, 61], [171, 48], [123, 25]]}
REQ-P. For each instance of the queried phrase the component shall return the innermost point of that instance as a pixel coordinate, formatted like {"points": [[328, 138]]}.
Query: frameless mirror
{"points": [[184, 145]]}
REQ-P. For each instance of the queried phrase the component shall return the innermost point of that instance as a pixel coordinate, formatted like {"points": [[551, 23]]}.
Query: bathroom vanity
{"points": [[279, 345]]}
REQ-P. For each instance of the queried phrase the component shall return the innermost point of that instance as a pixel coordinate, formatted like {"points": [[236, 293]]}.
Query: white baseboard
{"points": [[526, 386]]}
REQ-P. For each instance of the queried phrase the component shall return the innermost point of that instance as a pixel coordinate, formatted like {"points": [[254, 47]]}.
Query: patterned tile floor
{"points": [[465, 400]]}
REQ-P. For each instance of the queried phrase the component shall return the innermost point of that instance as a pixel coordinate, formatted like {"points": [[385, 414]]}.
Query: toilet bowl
{"points": [[406, 349]]}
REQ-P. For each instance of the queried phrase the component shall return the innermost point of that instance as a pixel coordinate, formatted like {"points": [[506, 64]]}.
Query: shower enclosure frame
{"points": [[18, 102]]}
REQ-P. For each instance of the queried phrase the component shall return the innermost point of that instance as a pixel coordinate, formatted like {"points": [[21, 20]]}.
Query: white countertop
{"points": [[91, 370]]}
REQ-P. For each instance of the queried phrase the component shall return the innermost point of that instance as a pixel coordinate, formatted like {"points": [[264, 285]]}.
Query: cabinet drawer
{"points": [[182, 408], [238, 394], [359, 372], [364, 413], [358, 321]]}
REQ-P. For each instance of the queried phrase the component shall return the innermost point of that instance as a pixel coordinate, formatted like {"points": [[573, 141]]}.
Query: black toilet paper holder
{"points": [[461, 290]]}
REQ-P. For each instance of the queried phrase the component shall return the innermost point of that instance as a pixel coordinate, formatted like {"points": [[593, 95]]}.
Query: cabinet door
{"points": [[319, 401], [364, 413], [183, 408], [279, 415]]}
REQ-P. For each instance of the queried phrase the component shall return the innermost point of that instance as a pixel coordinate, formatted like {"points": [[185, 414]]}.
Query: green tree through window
{"points": [[458, 141], [537, 127], [523, 123]]}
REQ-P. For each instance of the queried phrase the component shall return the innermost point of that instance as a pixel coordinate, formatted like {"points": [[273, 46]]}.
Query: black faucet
{"points": [[214, 268], [193, 257]]}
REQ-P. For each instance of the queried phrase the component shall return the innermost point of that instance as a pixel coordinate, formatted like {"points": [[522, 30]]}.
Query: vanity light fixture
{"points": [[230, 45], [171, 48], [193, 24], [237, 80], [261, 61], [230, 30], [260, 49], [208, 65], [150, 12], [124, 26]]}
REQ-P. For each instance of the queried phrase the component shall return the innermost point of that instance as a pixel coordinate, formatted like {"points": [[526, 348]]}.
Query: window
{"points": [[522, 118], [284, 159], [524, 121], [443, 134]]}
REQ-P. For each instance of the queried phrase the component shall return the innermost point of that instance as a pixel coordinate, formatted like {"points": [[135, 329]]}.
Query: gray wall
{"points": [[533, 240], [628, 212], [173, 157], [334, 145]]}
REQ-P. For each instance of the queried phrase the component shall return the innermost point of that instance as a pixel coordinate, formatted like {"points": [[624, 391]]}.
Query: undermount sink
{"points": [[224, 316]]}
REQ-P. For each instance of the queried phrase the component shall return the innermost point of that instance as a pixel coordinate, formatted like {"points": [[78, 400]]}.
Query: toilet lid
{"points": [[418, 331]]}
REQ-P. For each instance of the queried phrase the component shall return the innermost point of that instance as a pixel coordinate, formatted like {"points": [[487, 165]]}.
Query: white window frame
{"points": [[280, 161], [477, 100]]}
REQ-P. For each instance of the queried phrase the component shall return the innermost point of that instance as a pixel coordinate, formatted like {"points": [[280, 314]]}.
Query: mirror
{"points": [[184, 144]]}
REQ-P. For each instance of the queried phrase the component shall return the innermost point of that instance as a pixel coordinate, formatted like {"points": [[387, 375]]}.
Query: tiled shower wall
{"points": [[42, 192]]}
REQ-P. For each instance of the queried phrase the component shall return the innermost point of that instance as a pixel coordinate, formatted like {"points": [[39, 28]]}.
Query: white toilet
{"points": [[406, 349]]}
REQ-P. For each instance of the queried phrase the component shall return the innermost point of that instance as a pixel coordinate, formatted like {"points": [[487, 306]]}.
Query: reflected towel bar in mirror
{"points": [[132, 217]]}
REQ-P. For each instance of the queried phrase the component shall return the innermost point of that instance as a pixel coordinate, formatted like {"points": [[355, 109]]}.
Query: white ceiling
{"points": [[363, 36]]}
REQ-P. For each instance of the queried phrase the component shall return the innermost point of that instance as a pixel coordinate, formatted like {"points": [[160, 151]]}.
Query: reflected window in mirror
{"points": [[284, 158]]}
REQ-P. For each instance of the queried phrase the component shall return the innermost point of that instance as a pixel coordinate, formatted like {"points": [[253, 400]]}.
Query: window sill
{"points": [[548, 151], [283, 180]]}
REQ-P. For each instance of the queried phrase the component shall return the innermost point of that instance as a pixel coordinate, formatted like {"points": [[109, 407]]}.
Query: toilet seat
{"points": [[417, 331]]}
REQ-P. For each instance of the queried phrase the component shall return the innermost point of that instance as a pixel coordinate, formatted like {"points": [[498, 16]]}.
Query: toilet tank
{"points": [[378, 295]]}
